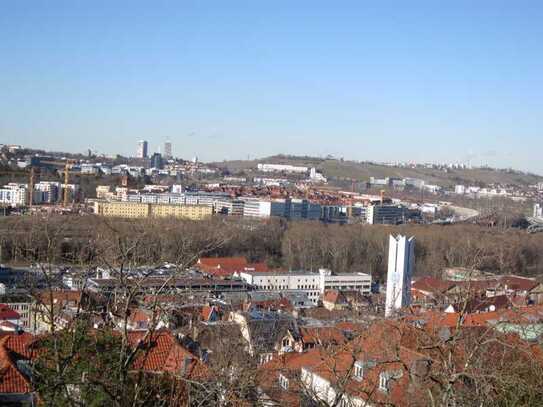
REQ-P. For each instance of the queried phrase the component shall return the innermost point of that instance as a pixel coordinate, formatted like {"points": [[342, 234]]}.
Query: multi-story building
{"points": [[48, 192], [261, 208], [103, 192], [14, 195], [313, 284], [386, 214], [401, 261], [140, 210], [286, 281], [22, 304], [345, 281], [142, 149], [538, 211], [156, 161], [282, 168], [167, 150], [194, 212], [232, 207]]}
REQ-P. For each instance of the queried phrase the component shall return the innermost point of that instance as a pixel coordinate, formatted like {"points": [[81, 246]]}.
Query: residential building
{"points": [[9, 319], [282, 168], [22, 304], [401, 261], [144, 210], [14, 195]]}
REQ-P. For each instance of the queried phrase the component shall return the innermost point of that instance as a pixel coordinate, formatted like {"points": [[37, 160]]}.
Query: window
{"points": [[283, 382], [358, 370], [383, 381]]}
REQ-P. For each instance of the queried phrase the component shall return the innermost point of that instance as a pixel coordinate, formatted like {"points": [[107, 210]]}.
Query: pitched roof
{"points": [[322, 335], [334, 297], [431, 284], [237, 263], [11, 379], [161, 352]]}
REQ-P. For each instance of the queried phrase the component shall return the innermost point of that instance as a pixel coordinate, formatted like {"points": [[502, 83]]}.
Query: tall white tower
{"points": [[401, 261], [142, 149], [167, 150]]}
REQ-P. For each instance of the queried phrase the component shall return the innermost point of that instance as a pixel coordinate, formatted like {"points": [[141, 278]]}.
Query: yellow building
{"points": [[139, 210], [194, 212]]}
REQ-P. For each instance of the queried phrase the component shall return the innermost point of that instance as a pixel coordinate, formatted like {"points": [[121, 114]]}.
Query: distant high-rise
{"points": [[167, 150], [142, 149], [156, 161], [401, 261]]}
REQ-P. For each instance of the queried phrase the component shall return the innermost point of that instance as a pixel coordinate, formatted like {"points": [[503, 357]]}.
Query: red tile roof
{"points": [[334, 297], [432, 285], [161, 352], [11, 379]]}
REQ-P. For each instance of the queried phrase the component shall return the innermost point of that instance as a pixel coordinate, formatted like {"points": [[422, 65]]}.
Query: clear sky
{"points": [[381, 80]]}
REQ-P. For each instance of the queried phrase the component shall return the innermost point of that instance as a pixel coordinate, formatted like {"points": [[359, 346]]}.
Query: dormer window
{"points": [[358, 372], [283, 382], [383, 382]]}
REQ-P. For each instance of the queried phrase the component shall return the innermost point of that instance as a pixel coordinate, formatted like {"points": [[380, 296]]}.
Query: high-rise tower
{"points": [[401, 261], [142, 149], [167, 150]]}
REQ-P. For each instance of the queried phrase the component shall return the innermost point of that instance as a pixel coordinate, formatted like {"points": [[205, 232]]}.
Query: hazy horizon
{"points": [[420, 82]]}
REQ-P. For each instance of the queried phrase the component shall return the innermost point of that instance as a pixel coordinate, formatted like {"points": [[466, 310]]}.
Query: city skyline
{"points": [[422, 82]]}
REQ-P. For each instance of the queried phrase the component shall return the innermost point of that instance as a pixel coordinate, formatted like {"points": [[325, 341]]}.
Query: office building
{"points": [[386, 214], [401, 262], [142, 149]]}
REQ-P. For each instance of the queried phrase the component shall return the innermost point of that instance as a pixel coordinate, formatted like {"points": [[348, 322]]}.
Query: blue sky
{"points": [[383, 80]]}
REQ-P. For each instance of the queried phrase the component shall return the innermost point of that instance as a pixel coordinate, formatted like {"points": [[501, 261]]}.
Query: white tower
{"points": [[142, 149], [167, 150], [401, 260]]}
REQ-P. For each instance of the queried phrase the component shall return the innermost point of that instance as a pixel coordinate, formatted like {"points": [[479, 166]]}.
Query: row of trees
{"points": [[295, 245]]}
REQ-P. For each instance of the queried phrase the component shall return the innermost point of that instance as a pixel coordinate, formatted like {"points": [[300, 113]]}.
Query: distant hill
{"points": [[342, 170]]}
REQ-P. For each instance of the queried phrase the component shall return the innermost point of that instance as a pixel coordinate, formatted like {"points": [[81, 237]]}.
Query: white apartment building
{"points": [[344, 281], [49, 192], [261, 208], [282, 168], [313, 284], [14, 195]]}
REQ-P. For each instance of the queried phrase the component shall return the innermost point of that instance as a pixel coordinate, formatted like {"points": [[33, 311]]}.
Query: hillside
{"points": [[338, 170]]}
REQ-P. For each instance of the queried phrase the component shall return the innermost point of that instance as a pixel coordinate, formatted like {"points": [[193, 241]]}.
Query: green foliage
{"points": [[78, 365]]}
